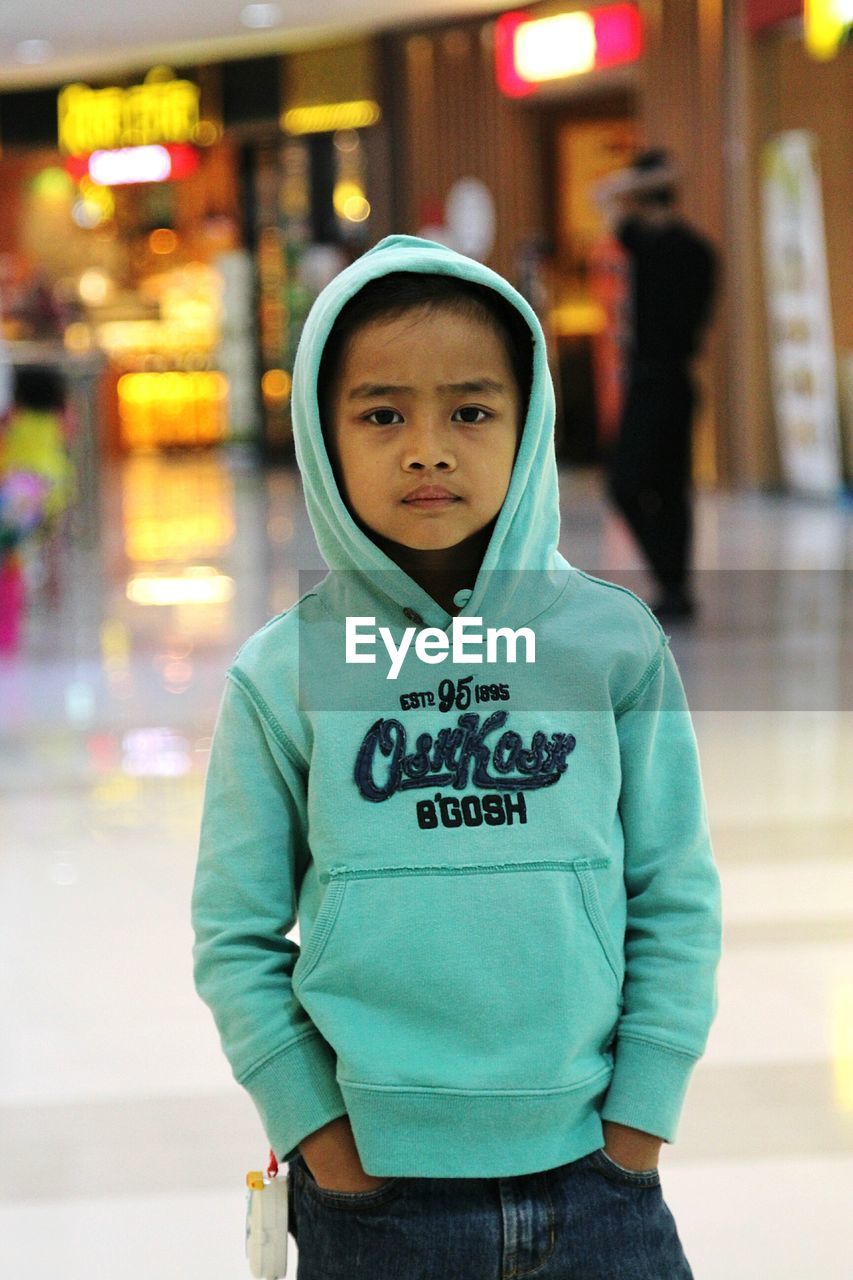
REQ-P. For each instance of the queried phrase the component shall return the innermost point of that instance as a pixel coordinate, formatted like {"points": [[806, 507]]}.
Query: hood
{"points": [[521, 571]]}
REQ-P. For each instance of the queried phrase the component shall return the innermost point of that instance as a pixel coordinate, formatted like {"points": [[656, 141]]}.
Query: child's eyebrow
{"points": [[373, 390], [475, 385]]}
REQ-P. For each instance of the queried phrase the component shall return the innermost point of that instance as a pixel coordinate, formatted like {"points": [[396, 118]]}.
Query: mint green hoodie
{"points": [[507, 902]]}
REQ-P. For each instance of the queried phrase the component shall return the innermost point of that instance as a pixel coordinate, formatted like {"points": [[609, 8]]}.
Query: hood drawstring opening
{"points": [[460, 600]]}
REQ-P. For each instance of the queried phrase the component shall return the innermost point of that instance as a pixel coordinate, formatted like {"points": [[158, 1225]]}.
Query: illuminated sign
{"points": [[827, 24], [197, 585], [333, 87], [158, 111], [328, 116], [530, 51], [134, 164]]}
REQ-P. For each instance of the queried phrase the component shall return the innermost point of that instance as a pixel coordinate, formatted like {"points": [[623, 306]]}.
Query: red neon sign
{"points": [[509, 81], [531, 51], [618, 35], [161, 163]]}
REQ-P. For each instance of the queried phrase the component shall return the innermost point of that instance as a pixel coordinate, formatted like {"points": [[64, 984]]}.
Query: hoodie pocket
{"points": [[464, 976]]}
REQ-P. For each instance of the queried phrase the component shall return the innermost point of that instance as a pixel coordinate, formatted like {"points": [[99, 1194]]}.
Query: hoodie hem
{"points": [[445, 1133]]}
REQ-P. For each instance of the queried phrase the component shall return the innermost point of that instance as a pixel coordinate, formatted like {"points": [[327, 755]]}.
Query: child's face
{"points": [[428, 398]]}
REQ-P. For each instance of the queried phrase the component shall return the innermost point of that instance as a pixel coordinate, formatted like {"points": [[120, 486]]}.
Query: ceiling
{"points": [[111, 36]]}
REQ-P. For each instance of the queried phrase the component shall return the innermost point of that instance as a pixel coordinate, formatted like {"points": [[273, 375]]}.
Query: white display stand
{"points": [[802, 354]]}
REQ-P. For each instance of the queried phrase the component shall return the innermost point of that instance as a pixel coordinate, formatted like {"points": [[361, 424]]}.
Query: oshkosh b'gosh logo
{"points": [[458, 757]]}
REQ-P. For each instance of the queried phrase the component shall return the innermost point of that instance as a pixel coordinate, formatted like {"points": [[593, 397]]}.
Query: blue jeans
{"points": [[586, 1220]]}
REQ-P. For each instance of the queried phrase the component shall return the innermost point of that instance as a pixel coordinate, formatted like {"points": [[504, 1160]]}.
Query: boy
{"points": [[508, 906]]}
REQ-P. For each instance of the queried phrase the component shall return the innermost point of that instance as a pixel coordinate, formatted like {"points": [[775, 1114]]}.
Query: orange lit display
{"points": [[176, 408]]}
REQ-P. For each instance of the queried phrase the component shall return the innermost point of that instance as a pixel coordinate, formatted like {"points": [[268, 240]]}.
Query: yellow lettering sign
{"points": [[144, 115]]}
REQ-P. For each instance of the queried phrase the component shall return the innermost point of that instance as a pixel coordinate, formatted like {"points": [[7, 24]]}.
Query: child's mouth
{"points": [[431, 503], [431, 498]]}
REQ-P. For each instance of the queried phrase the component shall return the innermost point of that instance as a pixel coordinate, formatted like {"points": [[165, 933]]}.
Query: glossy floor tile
{"points": [[125, 1140]]}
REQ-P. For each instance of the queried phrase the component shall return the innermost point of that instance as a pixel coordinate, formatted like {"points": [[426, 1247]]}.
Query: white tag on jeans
{"points": [[266, 1226]]}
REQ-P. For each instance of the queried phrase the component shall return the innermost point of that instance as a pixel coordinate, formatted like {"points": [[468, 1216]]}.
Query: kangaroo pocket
{"points": [[493, 977]]}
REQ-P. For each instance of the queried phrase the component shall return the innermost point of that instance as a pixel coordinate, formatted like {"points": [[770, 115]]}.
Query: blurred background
{"points": [[177, 183]]}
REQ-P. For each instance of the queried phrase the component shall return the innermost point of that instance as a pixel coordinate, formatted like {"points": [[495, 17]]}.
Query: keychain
{"points": [[266, 1222]]}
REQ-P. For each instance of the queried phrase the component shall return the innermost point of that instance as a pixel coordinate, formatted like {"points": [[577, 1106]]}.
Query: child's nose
{"points": [[428, 444]]}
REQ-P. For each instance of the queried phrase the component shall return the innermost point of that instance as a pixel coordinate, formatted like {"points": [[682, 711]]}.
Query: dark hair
{"points": [[648, 163], [400, 291], [39, 387], [652, 158]]}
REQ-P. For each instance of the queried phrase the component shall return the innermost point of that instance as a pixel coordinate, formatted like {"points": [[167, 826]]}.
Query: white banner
{"points": [[802, 355]]}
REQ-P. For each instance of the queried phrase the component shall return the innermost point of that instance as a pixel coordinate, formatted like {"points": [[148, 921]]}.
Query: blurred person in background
{"points": [[33, 439], [38, 312], [673, 270], [36, 482]]}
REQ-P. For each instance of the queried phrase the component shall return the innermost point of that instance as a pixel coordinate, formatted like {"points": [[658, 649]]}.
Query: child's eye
{"points": [[384, 417], [468, 414]]}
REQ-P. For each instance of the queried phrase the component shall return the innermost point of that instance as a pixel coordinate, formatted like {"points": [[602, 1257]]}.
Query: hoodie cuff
{"points": [[648, 1087], [296, 1092]]}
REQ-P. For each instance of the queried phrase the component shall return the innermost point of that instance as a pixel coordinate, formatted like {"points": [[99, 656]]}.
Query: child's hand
{"points": [[632, 1148], [333, 1159]]}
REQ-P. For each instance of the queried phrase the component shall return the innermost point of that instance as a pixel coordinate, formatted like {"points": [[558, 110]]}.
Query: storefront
{"points": [[181, 223], [125, 230]]}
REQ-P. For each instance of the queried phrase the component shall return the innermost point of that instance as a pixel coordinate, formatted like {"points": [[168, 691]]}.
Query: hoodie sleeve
{"points": [[672, 939], [243, 904]]}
